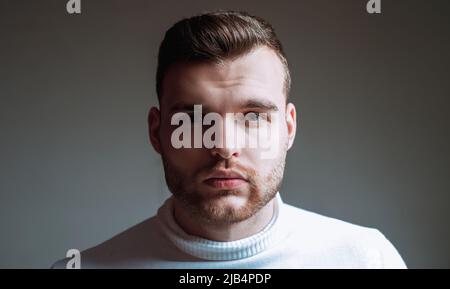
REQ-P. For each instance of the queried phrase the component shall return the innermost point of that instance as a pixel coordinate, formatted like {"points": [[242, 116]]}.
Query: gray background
{"points": [[75, 163]]}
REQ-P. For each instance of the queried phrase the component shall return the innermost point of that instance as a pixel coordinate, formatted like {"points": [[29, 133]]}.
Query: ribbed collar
{"points": [[215, 250]]}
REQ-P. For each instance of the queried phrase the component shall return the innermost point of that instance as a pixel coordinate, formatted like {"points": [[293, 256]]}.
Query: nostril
{"points": [[224, 153]]}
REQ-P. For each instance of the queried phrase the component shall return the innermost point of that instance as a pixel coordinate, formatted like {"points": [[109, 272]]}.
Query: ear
{"points": [[154, 123], [291, 122]]}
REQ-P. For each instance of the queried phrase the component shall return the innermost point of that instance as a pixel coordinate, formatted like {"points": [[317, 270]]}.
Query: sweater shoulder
{"points": [[332, 236], [322, 222], [141, 242]]}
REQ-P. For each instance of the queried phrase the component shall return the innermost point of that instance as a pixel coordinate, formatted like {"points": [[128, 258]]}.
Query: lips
{"points": [[225, 180]]}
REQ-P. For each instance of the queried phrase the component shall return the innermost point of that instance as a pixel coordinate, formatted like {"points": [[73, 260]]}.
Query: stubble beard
{"points": [[206, 209]]}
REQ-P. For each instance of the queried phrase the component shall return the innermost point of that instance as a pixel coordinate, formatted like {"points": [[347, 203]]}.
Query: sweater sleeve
{"points": [[389, 256]]}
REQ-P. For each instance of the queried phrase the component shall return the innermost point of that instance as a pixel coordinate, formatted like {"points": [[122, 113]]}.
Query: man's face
{"points": [[227, 184]]}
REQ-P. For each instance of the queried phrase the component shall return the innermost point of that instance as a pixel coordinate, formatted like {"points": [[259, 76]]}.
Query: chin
{"points": [[231, 198], [225, 204], [225, 215]]}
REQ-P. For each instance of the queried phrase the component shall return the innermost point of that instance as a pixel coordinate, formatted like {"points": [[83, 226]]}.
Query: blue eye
{"points": [[252, 116]]}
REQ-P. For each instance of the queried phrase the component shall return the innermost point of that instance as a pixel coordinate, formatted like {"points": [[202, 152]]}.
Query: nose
{"points": [[225, 153], [229, 145]]}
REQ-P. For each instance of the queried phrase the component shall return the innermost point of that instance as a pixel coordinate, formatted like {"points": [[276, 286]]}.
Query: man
{"points": [[226, 210]]}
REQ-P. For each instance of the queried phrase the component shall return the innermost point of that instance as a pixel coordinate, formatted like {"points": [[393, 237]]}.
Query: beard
{"points": [[214, 208]]}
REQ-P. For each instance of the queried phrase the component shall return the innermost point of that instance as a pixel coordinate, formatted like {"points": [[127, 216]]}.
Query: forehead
{"points": [[256, 75]]}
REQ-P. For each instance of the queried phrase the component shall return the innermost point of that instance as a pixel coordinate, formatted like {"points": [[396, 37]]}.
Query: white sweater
{"points": [[294, 238]]}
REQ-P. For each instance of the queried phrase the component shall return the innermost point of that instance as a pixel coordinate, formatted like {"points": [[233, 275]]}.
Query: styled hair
{"points": [[215, 37]]}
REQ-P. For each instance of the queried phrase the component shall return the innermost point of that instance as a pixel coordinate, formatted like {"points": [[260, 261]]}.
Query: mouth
{"points": [[225, 180]]}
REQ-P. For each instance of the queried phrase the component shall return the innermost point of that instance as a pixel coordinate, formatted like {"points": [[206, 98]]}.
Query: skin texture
{"points": [[238, 85]]}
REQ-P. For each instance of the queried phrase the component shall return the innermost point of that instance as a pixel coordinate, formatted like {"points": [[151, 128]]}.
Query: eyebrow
{"points": [[260, 104]]}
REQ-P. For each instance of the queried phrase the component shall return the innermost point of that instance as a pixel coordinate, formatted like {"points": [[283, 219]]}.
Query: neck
{"points": [[226, 232]]}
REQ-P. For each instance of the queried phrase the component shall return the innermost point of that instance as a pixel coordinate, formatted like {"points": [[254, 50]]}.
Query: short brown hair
{"points": [[215, 37]]}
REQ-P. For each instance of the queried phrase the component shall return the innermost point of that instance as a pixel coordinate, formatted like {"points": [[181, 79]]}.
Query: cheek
{"points": [[272, 147], [259, 165], [184, 159]]}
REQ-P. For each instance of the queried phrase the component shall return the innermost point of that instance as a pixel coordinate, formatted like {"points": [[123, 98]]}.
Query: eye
{"points": [[252, 116], [193, 120], [254, 119]]}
